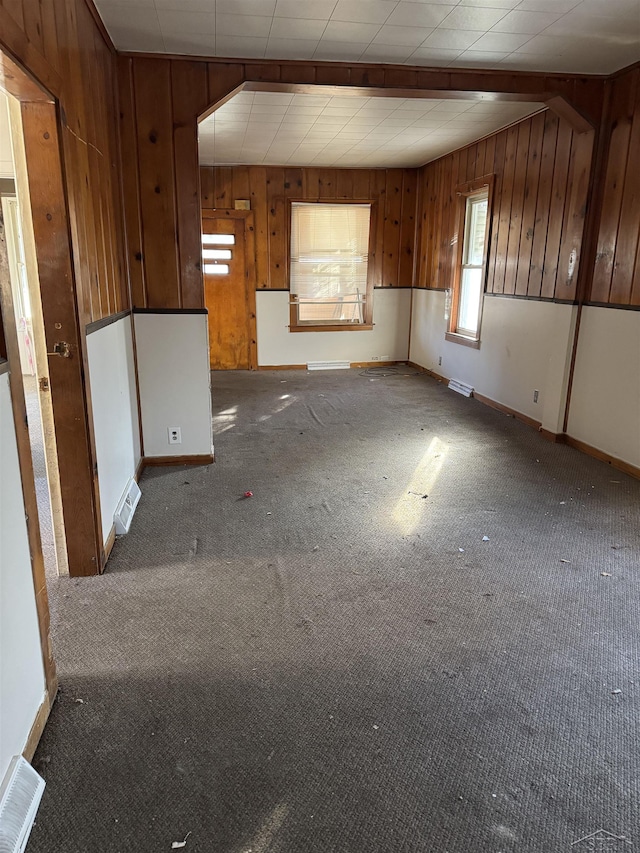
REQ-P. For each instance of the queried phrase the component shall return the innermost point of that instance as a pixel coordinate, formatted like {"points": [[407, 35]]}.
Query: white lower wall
{"points": [[115, 413], [605, 398], [388, 338], [22, 683], [525, 346], [174, 379]]}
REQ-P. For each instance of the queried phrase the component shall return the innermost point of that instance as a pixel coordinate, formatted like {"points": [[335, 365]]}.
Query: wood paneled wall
{"points": [[60, 43], [541, 170], [616, 268], [392, 191], [160, 101]]}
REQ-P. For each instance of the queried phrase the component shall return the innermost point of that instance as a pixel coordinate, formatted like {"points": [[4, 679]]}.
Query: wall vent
{"points": [[20, 796], [328, 365], [126, 508], [461, 387]]}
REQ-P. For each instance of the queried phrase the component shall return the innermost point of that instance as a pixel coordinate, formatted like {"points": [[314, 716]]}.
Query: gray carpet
{"points": [[320, 668]]}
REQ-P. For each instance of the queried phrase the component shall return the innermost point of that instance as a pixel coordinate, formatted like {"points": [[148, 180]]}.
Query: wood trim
{"points": [[507, 410], [196, 459], [282, 367], [39, 723], [108, 545], [23, 84], [100, 25], [455, 338], [437, 376], [90, 328], [617, 307], [355, 327], [62, 307], [558, 438], [169, 311], [601, 455], [139, 469]]}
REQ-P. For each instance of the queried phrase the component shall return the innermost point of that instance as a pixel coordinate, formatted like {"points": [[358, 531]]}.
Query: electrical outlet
{"points": [[175, 435], [535, 396], [439, 361], [375, 358]]}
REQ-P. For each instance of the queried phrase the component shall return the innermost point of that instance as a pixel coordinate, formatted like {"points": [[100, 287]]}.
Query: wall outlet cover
{"points": [[174, 435]]}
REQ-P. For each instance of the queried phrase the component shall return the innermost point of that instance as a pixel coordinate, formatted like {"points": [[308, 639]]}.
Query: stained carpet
{"points": [[419, 634]]}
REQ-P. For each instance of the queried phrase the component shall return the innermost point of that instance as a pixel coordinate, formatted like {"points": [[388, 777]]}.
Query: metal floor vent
{"points": [[461, 387], [20, 796], [328, 365], [125, 509]]}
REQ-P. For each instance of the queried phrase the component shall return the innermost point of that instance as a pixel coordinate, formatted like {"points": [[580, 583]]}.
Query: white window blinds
{"points": [[329, 260]]}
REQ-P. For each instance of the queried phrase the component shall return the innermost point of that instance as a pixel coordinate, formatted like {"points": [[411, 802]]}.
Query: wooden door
{"points": [[229, 289]]}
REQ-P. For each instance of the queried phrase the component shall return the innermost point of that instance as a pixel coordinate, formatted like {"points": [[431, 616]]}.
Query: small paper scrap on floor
{"points": [[176, 845], [615, 692], [606, 574], [461, 550], [376, 727], [565, 561], [485, 539]]}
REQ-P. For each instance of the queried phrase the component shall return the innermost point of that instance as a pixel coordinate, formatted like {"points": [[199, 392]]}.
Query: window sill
{"points": [[355, 327], [455, 338]]}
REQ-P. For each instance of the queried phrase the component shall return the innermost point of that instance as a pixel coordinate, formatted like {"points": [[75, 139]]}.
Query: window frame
{"points": [[367, 324], [463, 193]]}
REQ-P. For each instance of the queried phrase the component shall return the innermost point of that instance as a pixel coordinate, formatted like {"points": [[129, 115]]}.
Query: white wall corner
{"points": [[175, 382]]}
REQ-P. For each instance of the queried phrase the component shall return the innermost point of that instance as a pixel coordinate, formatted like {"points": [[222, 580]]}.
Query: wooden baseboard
{"points": [[108, 545], [375, 363], [500, 407], [38, 726], [620, 464], [426, 370], [554, 437], [197, 459], [282, 367], [139, 469]]}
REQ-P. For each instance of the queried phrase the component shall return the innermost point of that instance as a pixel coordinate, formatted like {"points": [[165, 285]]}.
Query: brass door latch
{"points": [[61, 348]]}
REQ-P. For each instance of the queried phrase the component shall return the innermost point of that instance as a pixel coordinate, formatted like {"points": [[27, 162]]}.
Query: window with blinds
{"points": [[329, 254]]}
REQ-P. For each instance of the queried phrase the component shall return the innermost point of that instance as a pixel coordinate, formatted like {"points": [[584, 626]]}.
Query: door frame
{"points": [[250, 269]]}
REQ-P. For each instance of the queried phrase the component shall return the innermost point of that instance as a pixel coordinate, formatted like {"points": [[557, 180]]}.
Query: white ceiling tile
{"points": [[387, 53], [124, 17], [500, 42], [339, 51], [342, 112], [560, 6], [580, 24], [241, 7], [473, 18], [305, 8], [289, 48], [297, 28], [363, 11], [525, 22], [141, 39], [242, 25], [177, 23], [545, 45], [493, 4], [434, 56], [240, 46], [267, 108], [452, 39], [409, 36], [342, 31], [194, 44], [427, 15]]}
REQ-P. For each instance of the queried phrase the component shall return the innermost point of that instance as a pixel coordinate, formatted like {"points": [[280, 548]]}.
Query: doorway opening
{"points": [[24, 286]]}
